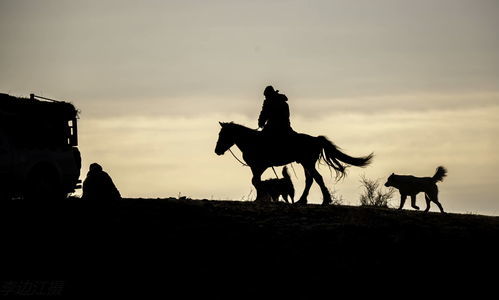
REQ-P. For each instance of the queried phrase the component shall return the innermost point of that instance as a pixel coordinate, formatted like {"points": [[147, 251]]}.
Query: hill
{"points": [[236, 249]]}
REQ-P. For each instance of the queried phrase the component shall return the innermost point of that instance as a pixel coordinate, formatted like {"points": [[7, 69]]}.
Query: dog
{"points": [[279, 187], [410, 186]]}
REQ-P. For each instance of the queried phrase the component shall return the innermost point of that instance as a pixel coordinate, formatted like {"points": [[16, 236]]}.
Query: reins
{"points": [[293, 170], [275, 173], [245, 165]]}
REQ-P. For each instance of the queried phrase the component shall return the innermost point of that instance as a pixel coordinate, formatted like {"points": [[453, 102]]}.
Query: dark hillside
{"points": [[238, 249]]}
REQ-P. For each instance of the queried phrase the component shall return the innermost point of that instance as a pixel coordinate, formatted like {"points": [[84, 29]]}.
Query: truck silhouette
{"points": [[39, 158]]}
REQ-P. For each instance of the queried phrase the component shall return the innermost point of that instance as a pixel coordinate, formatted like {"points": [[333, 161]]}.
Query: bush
{"points": [[374, 194], [336, 198]]}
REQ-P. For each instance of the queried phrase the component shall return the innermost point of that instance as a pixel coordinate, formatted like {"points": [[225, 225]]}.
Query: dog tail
{"points": [[440, 174], [285, 174]]}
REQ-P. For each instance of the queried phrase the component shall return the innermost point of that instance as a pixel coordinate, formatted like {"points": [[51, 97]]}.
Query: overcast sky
{"points": [[417, 82]]}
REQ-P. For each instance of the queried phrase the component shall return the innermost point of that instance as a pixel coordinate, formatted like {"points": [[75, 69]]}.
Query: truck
{"points": [[39, 157]]}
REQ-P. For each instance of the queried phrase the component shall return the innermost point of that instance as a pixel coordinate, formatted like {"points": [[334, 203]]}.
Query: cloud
{"points": [[125, 53], [417, 102], [300, 105]]}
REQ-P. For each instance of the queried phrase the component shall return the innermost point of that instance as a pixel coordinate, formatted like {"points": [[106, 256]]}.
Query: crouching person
{"points": [[98, 186]]}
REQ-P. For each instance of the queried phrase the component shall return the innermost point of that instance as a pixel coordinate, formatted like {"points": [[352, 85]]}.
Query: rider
{"points": [[274, 117]]}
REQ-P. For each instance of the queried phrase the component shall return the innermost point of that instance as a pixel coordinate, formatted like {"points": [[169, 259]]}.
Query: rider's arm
{"points": [[262, 119]]}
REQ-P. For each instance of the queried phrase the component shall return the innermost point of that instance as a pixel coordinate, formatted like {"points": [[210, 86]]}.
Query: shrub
{"points": [[336, 199], [374, 194]]}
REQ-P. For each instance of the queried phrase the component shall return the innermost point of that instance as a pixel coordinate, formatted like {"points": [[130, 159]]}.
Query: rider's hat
{"points": [[269, 91]]}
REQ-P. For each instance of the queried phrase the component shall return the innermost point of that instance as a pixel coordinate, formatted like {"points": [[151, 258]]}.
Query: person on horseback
{"points": [[274, 117]]}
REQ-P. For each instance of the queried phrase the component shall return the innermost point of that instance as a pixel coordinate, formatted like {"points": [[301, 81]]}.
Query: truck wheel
{"points": [[43, 185]]}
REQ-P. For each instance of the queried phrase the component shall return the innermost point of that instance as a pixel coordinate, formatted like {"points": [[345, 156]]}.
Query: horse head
{"points": [[225, 139]]}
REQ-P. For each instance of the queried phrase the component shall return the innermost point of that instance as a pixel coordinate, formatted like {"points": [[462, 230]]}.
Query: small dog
{"points": [[411, 186], [279, 187]]}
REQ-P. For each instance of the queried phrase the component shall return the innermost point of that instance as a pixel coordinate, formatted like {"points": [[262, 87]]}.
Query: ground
{"points": [[235, 249]]}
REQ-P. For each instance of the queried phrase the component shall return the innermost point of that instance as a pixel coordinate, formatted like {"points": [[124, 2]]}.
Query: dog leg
{"points": [[413, 202], [402, 201], [435, 199], [427, 202], [277, 194]]}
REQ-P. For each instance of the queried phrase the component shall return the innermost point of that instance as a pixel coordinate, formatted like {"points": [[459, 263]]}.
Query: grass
{"points": [[224, 247]]}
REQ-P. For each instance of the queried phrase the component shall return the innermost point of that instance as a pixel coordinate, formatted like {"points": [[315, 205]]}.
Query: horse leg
{"points": [[326, 196], [308, 183], [256, 180]]}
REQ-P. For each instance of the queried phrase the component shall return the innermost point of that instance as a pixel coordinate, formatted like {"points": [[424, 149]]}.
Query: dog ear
{"points": [[221, 124]]}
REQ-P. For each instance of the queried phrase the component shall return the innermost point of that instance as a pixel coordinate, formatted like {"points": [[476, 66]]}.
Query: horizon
{"points": [[415, 83]]}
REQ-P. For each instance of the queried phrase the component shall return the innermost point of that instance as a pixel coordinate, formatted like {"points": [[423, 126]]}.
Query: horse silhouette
{"points": [[261, 151]]}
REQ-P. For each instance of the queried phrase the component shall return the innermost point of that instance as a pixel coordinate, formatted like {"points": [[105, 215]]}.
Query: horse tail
{"points": [[440, 174], [338, 160]]}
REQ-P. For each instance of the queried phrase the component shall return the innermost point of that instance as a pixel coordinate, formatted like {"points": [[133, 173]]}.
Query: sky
{"points": [[415, 82]]}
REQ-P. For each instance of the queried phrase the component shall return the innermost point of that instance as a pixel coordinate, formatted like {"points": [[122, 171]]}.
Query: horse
{"points": [[261, 151]]}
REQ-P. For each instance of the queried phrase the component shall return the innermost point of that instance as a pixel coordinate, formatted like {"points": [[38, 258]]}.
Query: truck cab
{"points": [[39, 157]]}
